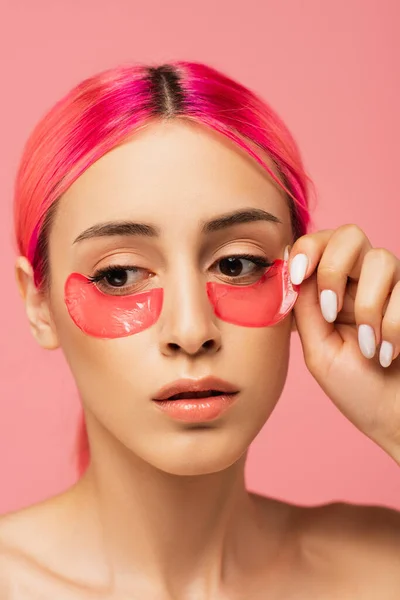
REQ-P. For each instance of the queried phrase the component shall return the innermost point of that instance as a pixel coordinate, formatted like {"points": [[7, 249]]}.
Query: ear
{"points": [[36, 306]]}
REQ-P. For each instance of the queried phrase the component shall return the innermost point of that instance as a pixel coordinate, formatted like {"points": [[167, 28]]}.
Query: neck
{"points": [[175, 531]]}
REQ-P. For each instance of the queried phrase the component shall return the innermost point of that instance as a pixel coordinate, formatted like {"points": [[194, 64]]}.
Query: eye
{"points": [[242, 266], [119, 279]]}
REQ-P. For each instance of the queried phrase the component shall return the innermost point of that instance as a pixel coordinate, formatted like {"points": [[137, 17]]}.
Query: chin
{"points": [[210, 459]]}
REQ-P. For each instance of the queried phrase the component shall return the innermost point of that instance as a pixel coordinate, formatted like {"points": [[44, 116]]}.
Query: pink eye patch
{"points": [[108, 316], [261, 304], [102, 315]]}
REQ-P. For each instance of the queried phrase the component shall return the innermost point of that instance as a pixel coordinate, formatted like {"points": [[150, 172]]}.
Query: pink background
{"points": [[331, 69]]}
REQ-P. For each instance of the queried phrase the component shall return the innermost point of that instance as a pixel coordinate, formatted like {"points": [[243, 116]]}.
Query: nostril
{"points": [[173, 346], [208, 344]]}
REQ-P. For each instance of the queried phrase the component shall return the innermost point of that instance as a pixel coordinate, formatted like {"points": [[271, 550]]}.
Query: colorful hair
{"points": [[103, 110]]}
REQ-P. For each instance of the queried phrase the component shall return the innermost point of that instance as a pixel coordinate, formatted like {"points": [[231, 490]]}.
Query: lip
{"points": [[195, 385], [196, 410]]}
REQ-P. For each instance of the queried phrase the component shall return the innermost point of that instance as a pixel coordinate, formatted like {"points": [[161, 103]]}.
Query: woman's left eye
{"points": [[242, 266]]}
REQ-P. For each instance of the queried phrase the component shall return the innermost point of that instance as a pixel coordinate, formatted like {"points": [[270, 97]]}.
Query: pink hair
{"points": [[103, 110]]}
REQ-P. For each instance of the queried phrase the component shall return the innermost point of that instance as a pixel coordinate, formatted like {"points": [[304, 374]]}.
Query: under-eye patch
{"points": [[261, 304], [109, 316], [102, 315]]}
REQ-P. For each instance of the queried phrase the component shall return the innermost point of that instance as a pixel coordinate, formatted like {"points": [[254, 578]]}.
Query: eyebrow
{"points": [[130, 228]]}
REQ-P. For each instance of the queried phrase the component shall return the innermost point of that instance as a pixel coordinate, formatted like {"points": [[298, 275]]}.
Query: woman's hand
{"points": [[354, 354]]}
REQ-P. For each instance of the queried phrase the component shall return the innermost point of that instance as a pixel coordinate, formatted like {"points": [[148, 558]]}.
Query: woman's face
{"points": [[173, 176]]}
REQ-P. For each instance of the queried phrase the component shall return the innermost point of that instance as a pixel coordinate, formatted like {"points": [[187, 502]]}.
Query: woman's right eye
{"points": [[117, 280]]}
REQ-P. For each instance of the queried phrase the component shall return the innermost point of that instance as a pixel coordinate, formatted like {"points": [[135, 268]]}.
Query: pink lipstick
{"points": [[199, 400]]}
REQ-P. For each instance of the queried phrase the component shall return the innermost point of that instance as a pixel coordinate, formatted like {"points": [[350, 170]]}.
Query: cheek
{"points": [[262, 362], [113, 376], [275, 356], [102, 368]]}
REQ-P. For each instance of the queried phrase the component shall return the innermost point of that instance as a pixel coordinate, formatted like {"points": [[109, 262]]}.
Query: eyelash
{"points": [[101, 274]]}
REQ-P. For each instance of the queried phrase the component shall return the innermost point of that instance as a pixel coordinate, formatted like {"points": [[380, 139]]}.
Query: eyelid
{"points": [[100, 274], [118, 261], [152, 259], [252, 256], [256, 258], [102, 271], [123, 256], [245, 245]]}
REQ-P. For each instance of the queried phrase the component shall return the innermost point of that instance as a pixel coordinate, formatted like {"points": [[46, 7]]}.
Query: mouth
{"points": [[191, 389], [196, 401], [194, 395]]}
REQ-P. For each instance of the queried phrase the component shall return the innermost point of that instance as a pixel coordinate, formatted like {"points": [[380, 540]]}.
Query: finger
{"points": [[313, 246], [343, 259], [379, 274], [306, 253], [390, 346], [314, 331], [338, 254]]}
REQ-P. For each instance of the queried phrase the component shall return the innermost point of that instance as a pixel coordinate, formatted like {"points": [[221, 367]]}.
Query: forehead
{"points": [[170, 169]]}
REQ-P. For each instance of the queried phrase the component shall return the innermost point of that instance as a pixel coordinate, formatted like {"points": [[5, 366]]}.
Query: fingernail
{"points": [[286, 253], [298, 268], [366, 340], [329, 304], [386, 354]]}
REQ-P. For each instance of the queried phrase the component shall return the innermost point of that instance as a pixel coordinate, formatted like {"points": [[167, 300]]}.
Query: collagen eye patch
{"points": [[109, 316], [261, 304], [102, 315]]}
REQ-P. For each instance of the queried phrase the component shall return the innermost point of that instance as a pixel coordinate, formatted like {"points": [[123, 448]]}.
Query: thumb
{"points": [[320, 340]]}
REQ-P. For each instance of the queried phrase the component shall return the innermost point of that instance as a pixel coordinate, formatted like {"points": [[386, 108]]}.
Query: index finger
{"points": [[338, 253]]}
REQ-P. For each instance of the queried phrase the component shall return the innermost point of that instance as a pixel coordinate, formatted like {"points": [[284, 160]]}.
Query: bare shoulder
{"points": [[377, 528], [39, 551], [22, 530], [340, 550], [23, 539], [362, 542]]}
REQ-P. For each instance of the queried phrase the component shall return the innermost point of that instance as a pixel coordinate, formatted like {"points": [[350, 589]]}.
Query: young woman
{"points": [[161, 219]]}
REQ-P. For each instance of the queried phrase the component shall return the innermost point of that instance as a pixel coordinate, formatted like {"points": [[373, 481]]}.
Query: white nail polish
{"points": [[329, 305], [386, 354], [298, 268], [366, 340]]}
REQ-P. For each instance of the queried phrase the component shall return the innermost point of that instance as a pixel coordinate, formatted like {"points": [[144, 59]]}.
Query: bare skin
{"points": [[162, 511], [335, 551]]}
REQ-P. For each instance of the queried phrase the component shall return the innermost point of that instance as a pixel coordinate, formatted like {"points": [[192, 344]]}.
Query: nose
{"points": [[187, 322]]}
